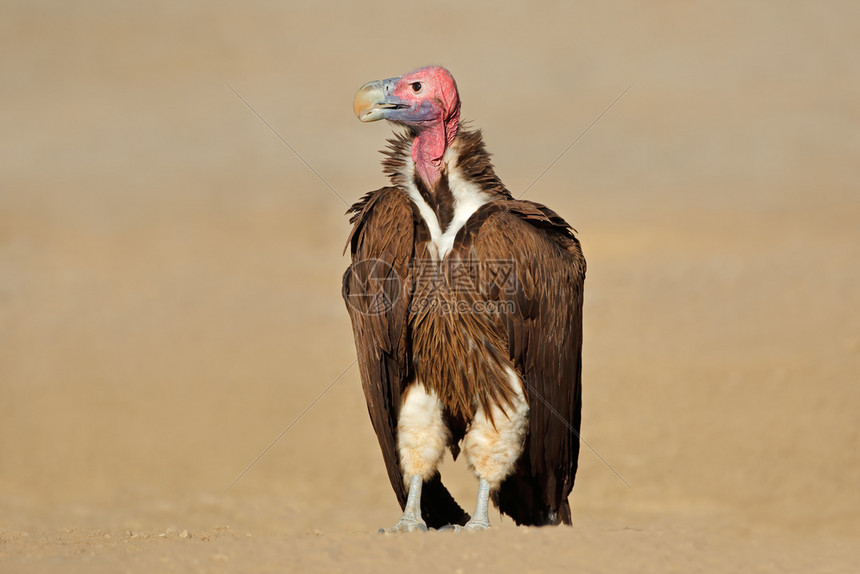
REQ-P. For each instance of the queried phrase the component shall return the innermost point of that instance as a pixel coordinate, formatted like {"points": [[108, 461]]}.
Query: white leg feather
{"points": [[421, 433], [492, 450]]}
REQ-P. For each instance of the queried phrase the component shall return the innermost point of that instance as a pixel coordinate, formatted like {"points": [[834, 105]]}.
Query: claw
{"points": [[475, 526], [405, 524], [471, 526]]}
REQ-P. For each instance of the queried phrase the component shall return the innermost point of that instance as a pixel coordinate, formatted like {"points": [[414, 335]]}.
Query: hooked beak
{"points": [[374, 101]]}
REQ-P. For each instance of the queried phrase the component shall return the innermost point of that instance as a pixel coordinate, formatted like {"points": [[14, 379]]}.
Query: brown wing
{"points": [[377, 291], [544, 330]]}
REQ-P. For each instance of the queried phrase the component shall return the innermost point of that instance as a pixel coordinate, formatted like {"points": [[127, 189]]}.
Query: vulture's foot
{"points": [[471, 526], [411, 519], [480, 519], [405, 524]]}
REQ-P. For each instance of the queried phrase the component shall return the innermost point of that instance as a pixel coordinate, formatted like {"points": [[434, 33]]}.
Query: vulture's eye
{"points": [[416, 87]]}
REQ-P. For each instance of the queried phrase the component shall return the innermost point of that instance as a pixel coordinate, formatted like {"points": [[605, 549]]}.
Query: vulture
{"points": [[466, 308]]}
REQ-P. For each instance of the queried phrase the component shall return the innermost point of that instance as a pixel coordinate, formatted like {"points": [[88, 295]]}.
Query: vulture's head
{"points": [[421, 99]]}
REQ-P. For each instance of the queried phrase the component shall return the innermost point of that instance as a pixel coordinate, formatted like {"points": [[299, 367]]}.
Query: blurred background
{"points": [[170, 269]]}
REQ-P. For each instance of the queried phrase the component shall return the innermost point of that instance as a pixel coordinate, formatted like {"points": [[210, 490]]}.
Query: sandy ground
{"points": [[170, 275]]}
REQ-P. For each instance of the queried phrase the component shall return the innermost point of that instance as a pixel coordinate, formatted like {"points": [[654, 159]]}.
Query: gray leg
{"points": [[480, 518], [411, 519]]}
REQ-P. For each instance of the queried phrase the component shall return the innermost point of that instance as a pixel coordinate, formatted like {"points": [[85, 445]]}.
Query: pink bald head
{"points": [[433, 92], [427, 101]]}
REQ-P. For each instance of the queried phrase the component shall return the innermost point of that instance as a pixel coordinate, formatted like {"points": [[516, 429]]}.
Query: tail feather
{"points": [[524, 498]]}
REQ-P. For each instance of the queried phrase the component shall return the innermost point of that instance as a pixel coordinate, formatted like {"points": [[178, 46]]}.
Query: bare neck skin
{"points": [[429, 147]]}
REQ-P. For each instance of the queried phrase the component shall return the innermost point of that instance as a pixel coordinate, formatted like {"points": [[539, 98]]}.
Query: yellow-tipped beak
{"points": [[369, 102]]}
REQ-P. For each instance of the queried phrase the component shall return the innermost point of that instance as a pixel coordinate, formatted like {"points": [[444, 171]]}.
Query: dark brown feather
{"points": [[441, 200]]}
